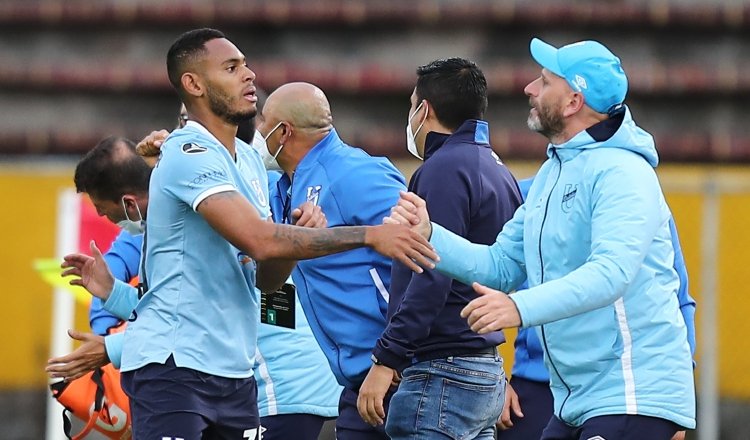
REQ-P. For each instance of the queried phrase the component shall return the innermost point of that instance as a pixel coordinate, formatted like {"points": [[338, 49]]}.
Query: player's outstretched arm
{"points": [[272, 274], [232, 216]]}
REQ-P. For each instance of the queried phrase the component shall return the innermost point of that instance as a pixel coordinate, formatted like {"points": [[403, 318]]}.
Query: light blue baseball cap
{"points": [[590, 69]]}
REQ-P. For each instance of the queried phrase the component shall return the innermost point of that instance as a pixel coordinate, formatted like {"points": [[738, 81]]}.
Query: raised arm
{"points": [[232, 216]]}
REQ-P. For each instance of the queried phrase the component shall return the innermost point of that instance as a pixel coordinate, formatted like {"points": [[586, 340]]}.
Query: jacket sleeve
{"points": [[687, 303], [499, 266], [113, 346], [447, 190], [123, 258], [626, 212], [122, 300]]}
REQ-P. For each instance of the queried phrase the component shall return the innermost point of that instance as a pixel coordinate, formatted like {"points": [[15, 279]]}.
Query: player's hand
{"points": [[92, 273], [372, 393], [90, 355], [679, 435], [511, 404], [309, 216], [403, 244], [150, 146], [411, 210], [492, 311]]}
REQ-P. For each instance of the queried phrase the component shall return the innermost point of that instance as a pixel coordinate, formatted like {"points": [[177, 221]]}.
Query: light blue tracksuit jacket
{"points": [[593, 239]]}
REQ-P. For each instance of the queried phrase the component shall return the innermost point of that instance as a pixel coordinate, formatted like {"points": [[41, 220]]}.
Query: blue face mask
{"points": [[132, 227]]}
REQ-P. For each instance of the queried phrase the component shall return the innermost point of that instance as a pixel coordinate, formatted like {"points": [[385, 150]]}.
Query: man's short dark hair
{"points": [[455, 88], [111, 169], [185, 51]]}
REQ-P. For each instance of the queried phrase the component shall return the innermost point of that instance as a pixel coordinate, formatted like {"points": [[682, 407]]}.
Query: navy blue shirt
{"points": [[469, 191]]}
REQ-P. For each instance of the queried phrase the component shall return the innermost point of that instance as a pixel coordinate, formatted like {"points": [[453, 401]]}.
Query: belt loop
{"points": [[450, 359]]}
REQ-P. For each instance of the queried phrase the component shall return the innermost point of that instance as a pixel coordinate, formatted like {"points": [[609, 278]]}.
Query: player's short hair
{"points": [[455, 88], [185, 51], [111, 169]]}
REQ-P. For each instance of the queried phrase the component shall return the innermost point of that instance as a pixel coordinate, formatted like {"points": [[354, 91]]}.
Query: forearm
{"points": [[292, 242], [232, 216], [595, 284], [469, 262]]}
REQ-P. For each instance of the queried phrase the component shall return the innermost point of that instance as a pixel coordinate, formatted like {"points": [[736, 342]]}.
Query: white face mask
{"points": [[132, 227], [260, 145], [411, 143]]}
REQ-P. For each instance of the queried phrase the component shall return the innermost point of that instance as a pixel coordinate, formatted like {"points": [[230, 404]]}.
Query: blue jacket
{"points": [[122, 258], [529, 354], [469, 191], [593, 239], [345, 296]]}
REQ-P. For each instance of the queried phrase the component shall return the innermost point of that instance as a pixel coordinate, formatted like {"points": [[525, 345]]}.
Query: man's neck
{"points": [[296, 152], [576, 125], [223, 131]]}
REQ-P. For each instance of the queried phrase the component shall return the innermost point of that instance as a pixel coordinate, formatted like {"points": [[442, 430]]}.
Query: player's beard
{"points": [[221, 105], [548, 120]]}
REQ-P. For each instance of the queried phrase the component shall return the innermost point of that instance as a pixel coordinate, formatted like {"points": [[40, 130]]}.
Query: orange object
{"points": [[98, 400]]}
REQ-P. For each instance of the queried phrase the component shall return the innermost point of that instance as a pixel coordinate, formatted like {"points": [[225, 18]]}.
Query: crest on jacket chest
{"points": [[569, 195], [313, 194]]}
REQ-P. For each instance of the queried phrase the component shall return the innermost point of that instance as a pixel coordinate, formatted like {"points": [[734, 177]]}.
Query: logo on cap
{"points": [[580, 82]]}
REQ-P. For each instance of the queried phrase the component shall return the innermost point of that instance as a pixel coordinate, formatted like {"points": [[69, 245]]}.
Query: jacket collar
{"points": [[319, 149], [473, 131]]}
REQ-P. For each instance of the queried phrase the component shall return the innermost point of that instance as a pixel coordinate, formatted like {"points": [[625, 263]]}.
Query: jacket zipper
{"points": [[541, 267]]}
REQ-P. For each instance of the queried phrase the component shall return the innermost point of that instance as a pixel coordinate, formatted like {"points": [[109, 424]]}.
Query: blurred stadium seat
{"points": [[75, 71]]}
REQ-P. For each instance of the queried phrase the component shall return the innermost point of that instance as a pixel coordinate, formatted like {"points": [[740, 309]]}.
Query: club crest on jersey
{"points": [[193, 148], [313, 194], [569, 196]]}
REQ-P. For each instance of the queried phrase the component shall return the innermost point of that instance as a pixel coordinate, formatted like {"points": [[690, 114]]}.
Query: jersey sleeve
{"points": [[194, 176]]}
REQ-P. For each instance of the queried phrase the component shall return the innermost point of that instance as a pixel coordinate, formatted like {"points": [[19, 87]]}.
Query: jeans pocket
{"points": [[466, 408]]}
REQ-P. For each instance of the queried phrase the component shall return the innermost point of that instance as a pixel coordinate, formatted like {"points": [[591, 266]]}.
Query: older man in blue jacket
{"points": [[344, 296], [530, 377], [594, 241]]}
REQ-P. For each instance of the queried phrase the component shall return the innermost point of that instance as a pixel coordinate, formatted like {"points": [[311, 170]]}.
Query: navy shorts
{"points": [[351, 426], [292, 426], [167, 401], [536, 405], [615, 427]]}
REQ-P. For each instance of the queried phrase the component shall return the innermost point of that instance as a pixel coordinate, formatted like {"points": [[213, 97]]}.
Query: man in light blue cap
{"points": [[593, 240]]}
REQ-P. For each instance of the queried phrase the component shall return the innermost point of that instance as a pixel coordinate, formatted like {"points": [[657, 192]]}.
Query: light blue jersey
{"points": [[593, 238], [199, 307]]}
